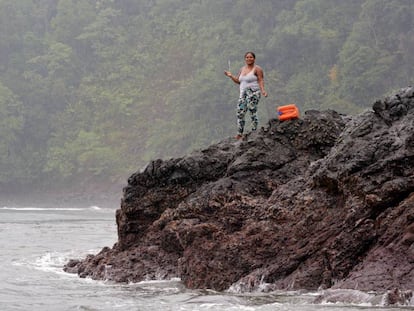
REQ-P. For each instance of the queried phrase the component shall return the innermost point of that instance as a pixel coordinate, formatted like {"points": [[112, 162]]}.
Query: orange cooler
{"points": [[287, 112]]}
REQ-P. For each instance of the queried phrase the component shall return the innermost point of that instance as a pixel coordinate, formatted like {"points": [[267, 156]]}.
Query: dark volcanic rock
{"points": [[325, 201]]}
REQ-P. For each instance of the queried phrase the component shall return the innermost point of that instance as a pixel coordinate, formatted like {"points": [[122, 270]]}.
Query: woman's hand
{"points": [[229, 74], [264, 93]]}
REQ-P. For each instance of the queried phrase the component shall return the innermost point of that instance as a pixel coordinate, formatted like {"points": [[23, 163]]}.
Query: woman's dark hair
{"points": [[254, 55]]}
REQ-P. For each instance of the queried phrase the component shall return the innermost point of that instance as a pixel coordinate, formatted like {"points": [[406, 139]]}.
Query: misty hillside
{"points": [[97, 88]]}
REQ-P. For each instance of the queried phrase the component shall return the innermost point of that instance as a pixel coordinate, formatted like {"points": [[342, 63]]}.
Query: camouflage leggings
{"points": [[248, 100]]}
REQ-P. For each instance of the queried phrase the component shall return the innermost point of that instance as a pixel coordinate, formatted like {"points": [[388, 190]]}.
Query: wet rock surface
{"points": [[321, 202]]}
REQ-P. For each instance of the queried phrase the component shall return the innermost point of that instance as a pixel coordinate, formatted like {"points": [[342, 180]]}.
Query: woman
{"points": [[250, 78]]}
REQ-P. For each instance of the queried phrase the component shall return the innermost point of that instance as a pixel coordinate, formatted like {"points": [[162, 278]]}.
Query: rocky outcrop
{"points": [[351, 296], [325, 201]]}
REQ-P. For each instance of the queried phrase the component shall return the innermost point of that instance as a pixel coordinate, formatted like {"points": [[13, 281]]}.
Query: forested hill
{"points": [[97, 88]]}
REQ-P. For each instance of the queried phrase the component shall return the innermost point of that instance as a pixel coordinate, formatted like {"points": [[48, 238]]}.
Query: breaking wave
{"points": [[30, 208]]}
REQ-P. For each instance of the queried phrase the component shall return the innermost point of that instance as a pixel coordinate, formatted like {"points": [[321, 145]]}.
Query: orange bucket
{"points": [[287, 112]]}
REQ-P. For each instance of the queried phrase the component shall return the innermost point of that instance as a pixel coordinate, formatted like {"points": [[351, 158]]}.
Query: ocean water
{"points": [[36, 241]]}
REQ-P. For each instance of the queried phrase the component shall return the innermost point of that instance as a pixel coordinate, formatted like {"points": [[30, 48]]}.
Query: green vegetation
{"points": [[97, 88]]}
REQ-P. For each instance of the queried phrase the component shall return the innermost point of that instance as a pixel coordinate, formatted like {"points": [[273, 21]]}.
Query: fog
{"points": [[91, 91]]}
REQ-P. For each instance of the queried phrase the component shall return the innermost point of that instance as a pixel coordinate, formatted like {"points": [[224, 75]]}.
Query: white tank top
{"points": [[249, 81]]}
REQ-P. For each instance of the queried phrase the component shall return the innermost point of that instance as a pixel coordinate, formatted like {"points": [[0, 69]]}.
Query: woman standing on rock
{"points": [[251, 80]]}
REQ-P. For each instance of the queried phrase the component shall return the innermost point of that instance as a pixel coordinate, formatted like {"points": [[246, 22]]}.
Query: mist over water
{"points": [[37, 241]]}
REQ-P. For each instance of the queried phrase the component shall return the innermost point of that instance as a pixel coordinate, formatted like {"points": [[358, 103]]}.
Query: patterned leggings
{"points": [[248, 100]]}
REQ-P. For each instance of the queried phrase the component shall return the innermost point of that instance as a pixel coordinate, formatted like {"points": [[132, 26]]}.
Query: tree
{"points": [[101, 87], [370, 62], [11, 125]]}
